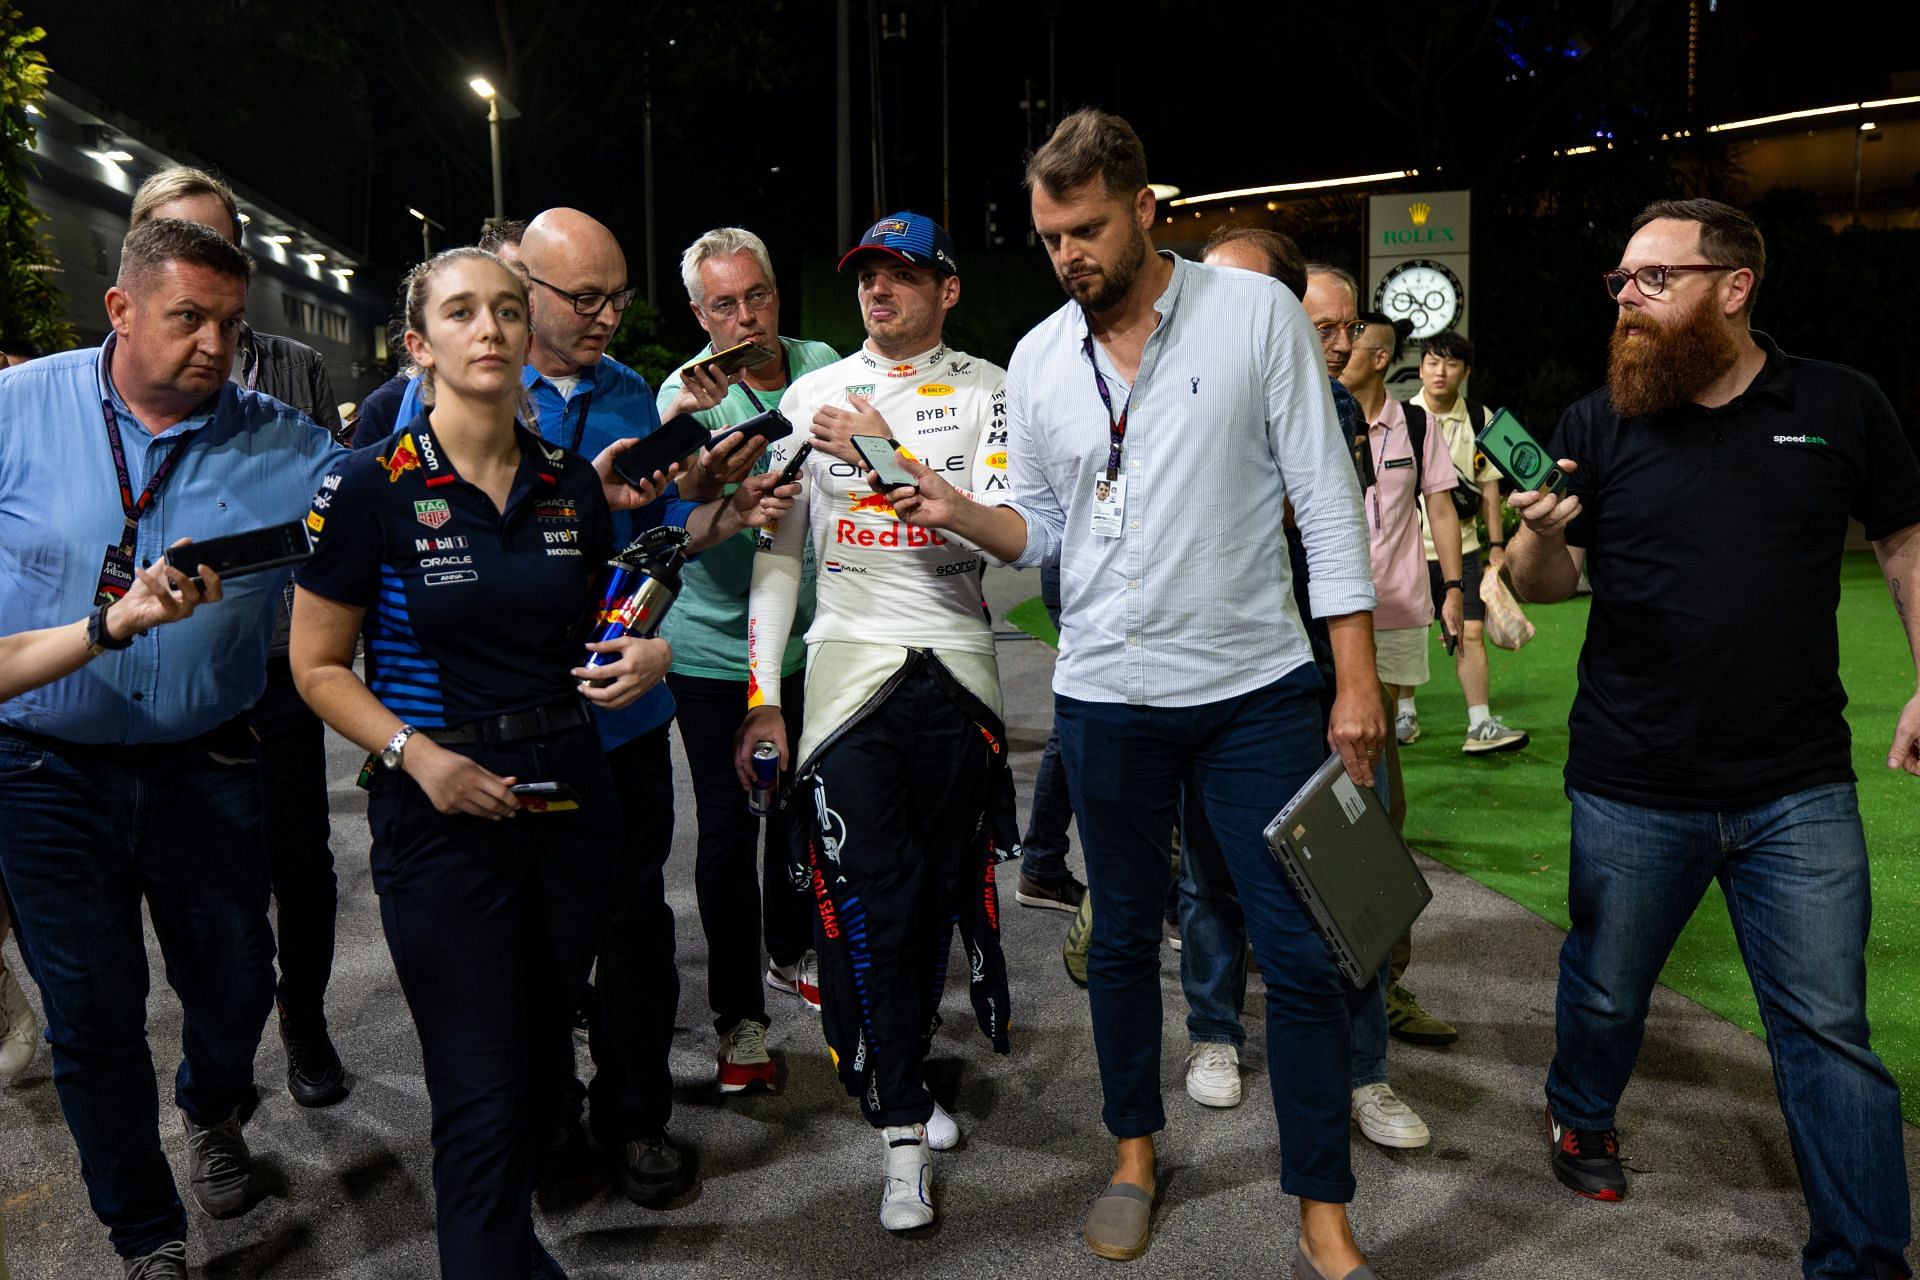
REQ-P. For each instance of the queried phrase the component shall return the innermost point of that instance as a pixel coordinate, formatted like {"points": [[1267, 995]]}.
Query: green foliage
{"points": [[30, 306], [636, 343]]}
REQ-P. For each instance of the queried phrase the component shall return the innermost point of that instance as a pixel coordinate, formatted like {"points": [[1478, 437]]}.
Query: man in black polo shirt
{"points": [[1710, 484]]}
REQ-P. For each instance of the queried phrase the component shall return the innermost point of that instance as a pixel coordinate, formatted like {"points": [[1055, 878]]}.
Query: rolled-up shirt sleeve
{"points": [[1303, 431]]}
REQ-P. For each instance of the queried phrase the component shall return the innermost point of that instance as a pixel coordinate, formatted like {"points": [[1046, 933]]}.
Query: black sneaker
{"points": [[168, 1262], [1063, 894], [315, 1076], [652, 1169], [221, 1166], [1587, 1161]]}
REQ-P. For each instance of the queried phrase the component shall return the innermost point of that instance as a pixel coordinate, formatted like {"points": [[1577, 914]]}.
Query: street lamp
{"points": [[498, 109], [426, 243]]}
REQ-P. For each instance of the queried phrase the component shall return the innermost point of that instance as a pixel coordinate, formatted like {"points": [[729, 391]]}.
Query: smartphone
{"points": [[670, 444], [769, 426], [546, 797], [881, 455], [1520, 457], [732, 360], [791, 472], [239, 554]]}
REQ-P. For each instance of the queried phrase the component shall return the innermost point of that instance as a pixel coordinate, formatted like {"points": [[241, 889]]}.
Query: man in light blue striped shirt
{"points": [[1157, 424]]}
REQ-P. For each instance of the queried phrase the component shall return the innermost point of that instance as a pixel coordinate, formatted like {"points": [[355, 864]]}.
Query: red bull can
{"points": [[766, 778]]}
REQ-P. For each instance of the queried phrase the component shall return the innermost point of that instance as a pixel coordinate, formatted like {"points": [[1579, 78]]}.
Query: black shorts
{"points": [[1469, 576]]}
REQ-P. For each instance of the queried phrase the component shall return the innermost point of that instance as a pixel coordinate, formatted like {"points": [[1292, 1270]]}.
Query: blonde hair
{"points": [[719, 243], [164, 186]]}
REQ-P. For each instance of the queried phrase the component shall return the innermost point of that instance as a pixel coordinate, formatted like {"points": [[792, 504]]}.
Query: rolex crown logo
{"points": [[1419, 210]]}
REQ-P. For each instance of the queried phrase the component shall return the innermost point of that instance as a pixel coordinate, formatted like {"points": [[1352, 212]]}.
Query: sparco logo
{"points": [[833, 832]]}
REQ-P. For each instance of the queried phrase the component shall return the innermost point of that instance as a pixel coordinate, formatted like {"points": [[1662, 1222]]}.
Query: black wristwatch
{"points": [[99, 639], [1454, 584]]}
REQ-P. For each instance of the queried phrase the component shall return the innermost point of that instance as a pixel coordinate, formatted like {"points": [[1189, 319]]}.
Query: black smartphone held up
{"points": [[880, 454], [546, 797], [239, 554], [745, 355], [769, 426], [791, 472], [1520, 457], [675, 439]]}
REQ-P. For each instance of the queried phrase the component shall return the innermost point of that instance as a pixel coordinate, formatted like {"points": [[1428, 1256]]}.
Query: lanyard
{"points": [[585, 397], [1117, 426], [133, 508]]}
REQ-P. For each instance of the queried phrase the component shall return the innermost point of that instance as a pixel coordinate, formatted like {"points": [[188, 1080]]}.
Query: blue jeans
{"points": [[89, 833], [1127, 767], [1794, 873], [1369, 1059], [1213, 932], [1043, 852]]}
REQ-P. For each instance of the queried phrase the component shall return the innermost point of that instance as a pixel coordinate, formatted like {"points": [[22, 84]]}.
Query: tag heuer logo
{"points": [[863, 389], [432, 512]]}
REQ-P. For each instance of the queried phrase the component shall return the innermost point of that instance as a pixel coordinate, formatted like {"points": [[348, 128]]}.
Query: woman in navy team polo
{"points": [[467, 551]]}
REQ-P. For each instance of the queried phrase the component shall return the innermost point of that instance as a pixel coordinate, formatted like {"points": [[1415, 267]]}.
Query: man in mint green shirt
{"points": [[731, 288]]}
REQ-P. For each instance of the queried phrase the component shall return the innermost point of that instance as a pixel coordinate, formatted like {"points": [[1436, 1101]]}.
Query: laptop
{"points": [[1351, 869]]}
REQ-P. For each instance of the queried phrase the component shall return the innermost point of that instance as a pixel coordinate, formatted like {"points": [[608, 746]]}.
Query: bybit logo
{"points": [[1418, 211]]}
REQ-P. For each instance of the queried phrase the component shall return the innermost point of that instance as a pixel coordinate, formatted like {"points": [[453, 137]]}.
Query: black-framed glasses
{"points": [[1650, 281], [756, 299], [1328, 330], [589, 304]]}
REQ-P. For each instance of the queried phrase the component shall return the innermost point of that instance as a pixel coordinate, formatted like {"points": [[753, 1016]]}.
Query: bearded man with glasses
{"points": [[1709, 489]]}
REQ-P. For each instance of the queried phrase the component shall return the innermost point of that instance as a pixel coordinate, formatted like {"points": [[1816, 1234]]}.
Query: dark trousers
{"points": [[88, 835], [637, 990], [1245, 757], [898, 802], [293, 771], [727, 874], [1043, 851], [491, 926]]}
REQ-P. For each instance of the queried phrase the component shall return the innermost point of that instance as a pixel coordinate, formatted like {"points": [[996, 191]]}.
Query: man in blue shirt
{"points": [[138, 777]]}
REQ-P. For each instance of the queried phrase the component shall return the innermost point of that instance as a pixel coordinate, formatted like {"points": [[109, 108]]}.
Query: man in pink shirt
{"points": [[1405, 609]]}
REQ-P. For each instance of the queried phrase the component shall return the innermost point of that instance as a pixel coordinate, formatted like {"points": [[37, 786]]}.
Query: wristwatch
{"points": [[390, 754], [1453, 584], [99, 639]]}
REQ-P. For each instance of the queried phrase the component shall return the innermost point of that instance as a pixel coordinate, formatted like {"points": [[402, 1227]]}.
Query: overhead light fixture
{"points": [[1359, 179], [482, 86], [416, 213], [279, 239], [117, 155], [1839, 108], [314, 257], [1163, 190], [1868, 126], [343, 272], [245, 218]]}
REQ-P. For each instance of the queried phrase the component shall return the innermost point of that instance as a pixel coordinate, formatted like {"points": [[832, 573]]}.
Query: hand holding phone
{"points": [[881, 457], [239, 554], [744, 355], [675, 439], [1520, 458], [545, 797]]}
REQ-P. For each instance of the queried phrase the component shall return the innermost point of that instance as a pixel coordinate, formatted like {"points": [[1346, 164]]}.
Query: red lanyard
{"points": [[1116, 426], [131, 507]]}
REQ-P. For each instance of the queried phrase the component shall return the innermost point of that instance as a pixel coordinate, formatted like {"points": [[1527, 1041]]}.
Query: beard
{"points": [[1668, 362], [1104, 290]]}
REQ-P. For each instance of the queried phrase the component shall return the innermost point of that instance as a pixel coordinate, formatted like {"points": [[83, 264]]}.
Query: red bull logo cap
{"points": [[913, 238]]}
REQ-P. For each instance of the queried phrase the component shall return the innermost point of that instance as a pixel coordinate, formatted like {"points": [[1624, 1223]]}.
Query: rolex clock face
{"points": [[1423, 292]]}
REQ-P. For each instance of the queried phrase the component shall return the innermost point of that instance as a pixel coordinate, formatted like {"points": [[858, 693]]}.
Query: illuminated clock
{"points": [[1422, 292]]}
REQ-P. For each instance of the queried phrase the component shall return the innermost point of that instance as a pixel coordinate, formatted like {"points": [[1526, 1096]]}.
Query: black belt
{"points": [[515, 725], [235, 737]]}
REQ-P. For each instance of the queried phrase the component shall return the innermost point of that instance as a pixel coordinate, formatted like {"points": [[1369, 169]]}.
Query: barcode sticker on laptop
{"points": [[1349, 797]]}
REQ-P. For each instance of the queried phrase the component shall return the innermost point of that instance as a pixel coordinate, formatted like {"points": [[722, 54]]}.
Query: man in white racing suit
{"points": [[902, 754]]}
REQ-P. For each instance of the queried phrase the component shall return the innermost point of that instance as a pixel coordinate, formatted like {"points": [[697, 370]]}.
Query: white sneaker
{"points": [[19, 1029], [943, 1131], [1406, 727], [1213, 1074], [1492, 735], [1387, 1120], [801, 978], [906, 1192], [744, 1063]]}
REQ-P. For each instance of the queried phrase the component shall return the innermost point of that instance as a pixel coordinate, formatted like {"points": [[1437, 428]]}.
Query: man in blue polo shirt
{"points": [[137, 778]]}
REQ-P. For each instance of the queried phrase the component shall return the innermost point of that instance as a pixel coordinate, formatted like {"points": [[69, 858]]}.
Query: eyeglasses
{"points": [[1651, 281], [589, 304], [1328, 330], [757, 299]]}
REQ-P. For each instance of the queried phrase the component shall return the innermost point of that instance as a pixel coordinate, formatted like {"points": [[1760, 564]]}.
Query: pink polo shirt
{"points": [[1393, 525]]}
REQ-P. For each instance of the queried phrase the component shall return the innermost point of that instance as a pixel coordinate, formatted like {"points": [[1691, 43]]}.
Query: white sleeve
{"points": [[775, 591]]}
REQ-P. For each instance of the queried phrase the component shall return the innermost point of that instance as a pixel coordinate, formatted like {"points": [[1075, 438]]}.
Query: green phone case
{"points": [[1521, 458]]}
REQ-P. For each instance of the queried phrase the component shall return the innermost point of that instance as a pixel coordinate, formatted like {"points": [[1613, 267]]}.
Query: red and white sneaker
{"points": [[801, 978], [744, 1064]]}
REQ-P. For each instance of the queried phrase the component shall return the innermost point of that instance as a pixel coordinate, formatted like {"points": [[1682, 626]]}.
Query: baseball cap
{"points": [[914, 238]]}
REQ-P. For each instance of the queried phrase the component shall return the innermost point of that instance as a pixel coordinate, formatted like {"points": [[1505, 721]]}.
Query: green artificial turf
{"points": [[1502, 819]]}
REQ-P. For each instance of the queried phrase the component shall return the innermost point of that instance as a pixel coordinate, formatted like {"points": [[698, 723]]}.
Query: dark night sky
{"points": [[347, 112]]}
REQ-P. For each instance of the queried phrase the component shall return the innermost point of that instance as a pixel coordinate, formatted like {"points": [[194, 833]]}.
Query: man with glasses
{"points": [[731, 289], [1709, 487]]}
